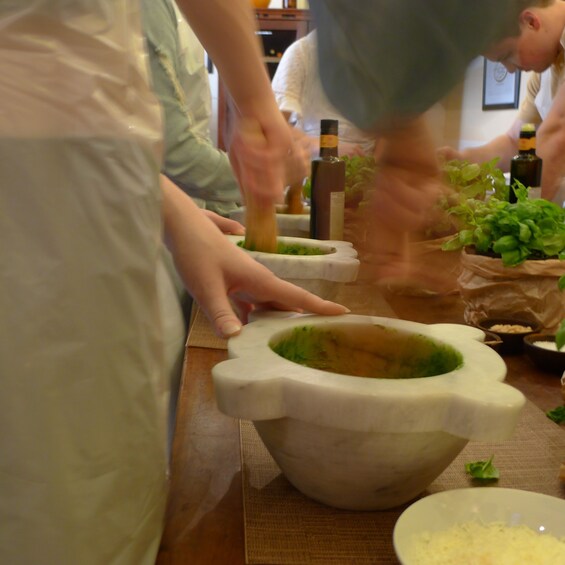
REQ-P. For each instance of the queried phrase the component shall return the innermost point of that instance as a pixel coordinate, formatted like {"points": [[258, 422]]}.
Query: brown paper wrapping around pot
{"points": [[530, 290], [427, 253]]}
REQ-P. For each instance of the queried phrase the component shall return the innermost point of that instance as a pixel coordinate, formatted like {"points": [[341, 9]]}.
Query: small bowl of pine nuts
{"points": [[511, 331]]}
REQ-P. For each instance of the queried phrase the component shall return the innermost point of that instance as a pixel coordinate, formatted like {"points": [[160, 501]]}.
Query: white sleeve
{"points": [[288, 82]]}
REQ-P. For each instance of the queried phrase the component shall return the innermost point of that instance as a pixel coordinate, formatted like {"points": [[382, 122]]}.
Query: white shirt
{"points": [[298, 90]]}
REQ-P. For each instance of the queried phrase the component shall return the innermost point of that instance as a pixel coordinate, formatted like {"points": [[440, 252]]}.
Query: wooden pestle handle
{"points": [[260, 218], [260, 227], [293, 199]]}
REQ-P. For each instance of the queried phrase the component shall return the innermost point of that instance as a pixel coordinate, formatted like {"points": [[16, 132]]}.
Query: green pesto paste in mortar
{"points": [[367, 351], [290, 249]]}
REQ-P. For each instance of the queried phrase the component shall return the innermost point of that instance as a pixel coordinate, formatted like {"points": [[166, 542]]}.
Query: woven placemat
{"points": [[364, 299], [202, 334], [282, 526]]}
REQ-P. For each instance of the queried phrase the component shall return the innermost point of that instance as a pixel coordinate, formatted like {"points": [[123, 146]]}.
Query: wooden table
{"points": [[205, 514]]}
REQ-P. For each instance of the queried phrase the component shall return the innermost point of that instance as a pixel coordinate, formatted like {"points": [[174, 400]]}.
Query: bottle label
{"points": [[527, 143], [328, 141], [337, 211]]}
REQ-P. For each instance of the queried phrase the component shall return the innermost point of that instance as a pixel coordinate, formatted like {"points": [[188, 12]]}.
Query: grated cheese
{"points": [[551, 345], [473, 543]]}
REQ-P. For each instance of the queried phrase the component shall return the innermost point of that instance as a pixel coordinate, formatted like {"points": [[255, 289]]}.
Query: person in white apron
{"points": [[84, 344], [83, 464], [538, 48]]}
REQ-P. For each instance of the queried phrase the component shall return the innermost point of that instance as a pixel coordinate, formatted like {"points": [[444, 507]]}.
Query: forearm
{"points": [[183, 222], [227, 30], [410, 142], [502, 147]]}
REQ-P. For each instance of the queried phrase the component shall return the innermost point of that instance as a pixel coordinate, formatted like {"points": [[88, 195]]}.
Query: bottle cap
{"points": [[528, 127], [328, 127]]}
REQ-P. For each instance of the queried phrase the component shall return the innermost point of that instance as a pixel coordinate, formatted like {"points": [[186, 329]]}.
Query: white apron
{"points": [[82, 358]]}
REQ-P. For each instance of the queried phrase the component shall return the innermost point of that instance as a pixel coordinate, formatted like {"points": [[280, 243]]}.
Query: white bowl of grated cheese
{"points": [[489, 525]]}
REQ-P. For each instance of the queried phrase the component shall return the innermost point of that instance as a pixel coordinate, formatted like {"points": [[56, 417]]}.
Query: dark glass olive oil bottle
{"points": [[526, 165], [327, 200]]}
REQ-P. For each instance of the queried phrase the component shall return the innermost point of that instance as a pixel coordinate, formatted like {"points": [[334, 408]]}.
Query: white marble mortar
{"points": [[364, 443], [322, 275]]}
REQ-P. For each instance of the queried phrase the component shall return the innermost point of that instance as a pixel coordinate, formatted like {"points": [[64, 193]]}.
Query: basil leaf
{"points": [[483, 470], [560, 335], [557, 414]]}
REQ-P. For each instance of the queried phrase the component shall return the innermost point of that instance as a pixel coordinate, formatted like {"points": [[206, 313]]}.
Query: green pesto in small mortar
{"points": [[290, 249], [367, 351]]}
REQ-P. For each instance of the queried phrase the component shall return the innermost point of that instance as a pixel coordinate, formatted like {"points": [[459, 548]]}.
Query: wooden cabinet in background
{"points": [[278, 28]]}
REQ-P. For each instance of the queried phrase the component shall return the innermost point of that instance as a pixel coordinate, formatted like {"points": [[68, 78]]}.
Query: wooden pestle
{"points": [[293, 199], [260, 226], [260, 218]]}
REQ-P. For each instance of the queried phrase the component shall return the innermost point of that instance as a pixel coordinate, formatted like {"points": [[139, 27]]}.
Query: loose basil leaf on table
{"points": [[483, 470]]}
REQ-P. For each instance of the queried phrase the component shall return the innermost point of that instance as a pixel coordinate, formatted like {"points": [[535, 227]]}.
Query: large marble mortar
{"points": [[322, 275], [365, 442]]}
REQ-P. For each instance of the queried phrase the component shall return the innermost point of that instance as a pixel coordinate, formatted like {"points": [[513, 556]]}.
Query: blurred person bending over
{"points": [[382, 65]]}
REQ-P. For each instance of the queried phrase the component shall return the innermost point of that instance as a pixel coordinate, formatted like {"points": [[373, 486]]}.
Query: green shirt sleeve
{"points": [[192, 162]]}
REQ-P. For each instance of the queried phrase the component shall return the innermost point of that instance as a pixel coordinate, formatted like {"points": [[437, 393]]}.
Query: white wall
{"points": [[475, 124]]}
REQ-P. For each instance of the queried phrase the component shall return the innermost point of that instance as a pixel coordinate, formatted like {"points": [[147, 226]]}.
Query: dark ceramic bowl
{"points": [[545, 359], [492, 340], [512, 342]]}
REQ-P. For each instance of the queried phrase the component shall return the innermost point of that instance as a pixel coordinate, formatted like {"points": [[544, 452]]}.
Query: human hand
{"points": [[226, 281], [408, 182], [408, 186], [257, 154], [447, 153], [230, 289], [225, 225]]}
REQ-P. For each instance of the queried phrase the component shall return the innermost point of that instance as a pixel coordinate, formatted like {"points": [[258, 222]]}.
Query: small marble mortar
{"points": [[322, 275]]}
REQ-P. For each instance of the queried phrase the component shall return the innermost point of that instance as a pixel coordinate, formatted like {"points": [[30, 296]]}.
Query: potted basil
{"points": [[512, 258]]}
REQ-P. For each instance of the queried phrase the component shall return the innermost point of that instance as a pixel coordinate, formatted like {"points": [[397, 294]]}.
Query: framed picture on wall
{"points": [[501, 88]]}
